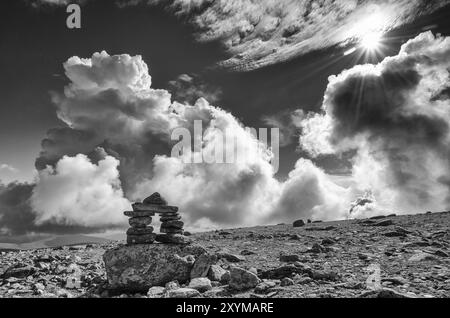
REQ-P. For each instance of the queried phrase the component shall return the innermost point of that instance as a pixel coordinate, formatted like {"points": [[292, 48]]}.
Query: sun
{"points": [[371, 41]]}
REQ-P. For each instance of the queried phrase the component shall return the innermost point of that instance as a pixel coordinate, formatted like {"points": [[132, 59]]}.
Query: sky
{"points": [[86, 114]]}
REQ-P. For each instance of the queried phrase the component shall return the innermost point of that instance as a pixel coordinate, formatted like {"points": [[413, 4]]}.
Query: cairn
{"points": [[141, 231]]}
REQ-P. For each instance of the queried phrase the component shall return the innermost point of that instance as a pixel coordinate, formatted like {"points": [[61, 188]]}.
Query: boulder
{"points": [[19, 272], [139, 267], [298, 223], [241, 279], [216, 273], [202, 265]]}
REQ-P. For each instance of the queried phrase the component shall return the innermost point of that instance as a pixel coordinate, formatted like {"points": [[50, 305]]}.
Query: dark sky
{"points": [[35, 42]]}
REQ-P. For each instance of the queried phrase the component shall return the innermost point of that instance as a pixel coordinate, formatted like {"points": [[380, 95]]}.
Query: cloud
{"points": [[109, 103], [7, 168], [287, 122], [264, 32], [390, 115], [17, 216], [78, 192], [189, 88], [258, 33]]}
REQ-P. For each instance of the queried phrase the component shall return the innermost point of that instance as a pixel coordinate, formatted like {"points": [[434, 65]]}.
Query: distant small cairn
{"points": [[140, 219]]}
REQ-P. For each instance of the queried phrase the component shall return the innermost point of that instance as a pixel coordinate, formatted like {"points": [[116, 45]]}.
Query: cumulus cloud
{"points": [[287, 122], [78, 192], [109, 103], [389, 113]]}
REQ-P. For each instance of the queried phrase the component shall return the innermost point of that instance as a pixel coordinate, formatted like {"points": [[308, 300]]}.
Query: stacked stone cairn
{"points": [[141, 231]]}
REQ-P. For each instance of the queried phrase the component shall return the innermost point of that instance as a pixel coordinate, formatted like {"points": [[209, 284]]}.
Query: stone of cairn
{"points": [[141, 232]]}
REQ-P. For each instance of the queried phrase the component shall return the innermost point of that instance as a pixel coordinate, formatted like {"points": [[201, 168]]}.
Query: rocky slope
{"points": [[332, 259]]}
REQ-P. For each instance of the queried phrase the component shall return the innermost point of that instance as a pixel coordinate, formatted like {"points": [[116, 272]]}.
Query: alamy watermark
{"points": [[73, 21], [227, 147]]}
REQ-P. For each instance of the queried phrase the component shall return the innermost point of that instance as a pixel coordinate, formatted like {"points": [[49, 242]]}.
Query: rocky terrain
{"points": [[323, 259]]}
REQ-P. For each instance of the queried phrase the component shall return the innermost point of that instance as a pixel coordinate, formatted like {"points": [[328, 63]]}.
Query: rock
{"points": [[384, 293], [167, 210], [318, 228], [216, 292], [298, 223], [289, 258], [170, 218], [156, 292], [171, 231], [155, 198], [140, 222], [441, 253], [140, 230], [387, 222], [421, 257], [226, 277], [304, 280], [309, 221], [241, 279], [62, 293], [282, 271], [202, 265], [44, 259], [183, 293], [317, 248], [397, 280], [73, 282], [216, 273], [138, 214], [394, 234], [174, 223], [247, 252], [328, 241], [264, 286], [324, 275], [19, 271], [232, 258], [295, 237], [287, 282], [172, 285], [139, 267], [38, 286], [201, 284], [141, 239], [173, 239], [186, 233], [378, 217], [225, 233]]}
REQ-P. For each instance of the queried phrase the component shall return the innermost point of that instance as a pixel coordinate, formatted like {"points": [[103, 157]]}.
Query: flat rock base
{"points": [[136, 268]]}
